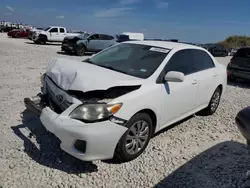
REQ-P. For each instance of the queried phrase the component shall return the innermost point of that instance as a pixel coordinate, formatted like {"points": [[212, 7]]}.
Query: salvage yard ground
{"points": [[198, 152]]}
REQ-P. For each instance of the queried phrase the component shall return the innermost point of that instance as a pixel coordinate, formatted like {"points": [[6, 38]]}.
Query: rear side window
{"points": [[202, 60], [243, 52], [106, 37], [181, 61], [62, 30]]}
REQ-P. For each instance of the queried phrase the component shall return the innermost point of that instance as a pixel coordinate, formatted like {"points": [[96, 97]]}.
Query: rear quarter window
{"points": [[202, 60]]}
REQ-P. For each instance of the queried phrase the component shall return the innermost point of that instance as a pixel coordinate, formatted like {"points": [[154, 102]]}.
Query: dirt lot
{"points": [[199, 152]]}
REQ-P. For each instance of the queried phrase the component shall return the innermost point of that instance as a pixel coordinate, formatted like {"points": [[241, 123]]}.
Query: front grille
{"points": [[65, 41], [56, 101]]}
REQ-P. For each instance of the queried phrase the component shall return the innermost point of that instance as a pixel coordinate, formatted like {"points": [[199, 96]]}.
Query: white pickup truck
{"points": [[51, 34]]}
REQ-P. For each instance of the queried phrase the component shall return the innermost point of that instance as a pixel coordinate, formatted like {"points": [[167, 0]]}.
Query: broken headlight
{"points": [[95, 112]]}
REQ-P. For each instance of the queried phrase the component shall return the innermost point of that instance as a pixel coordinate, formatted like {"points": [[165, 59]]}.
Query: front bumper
{"points": [[100, 138], [66, 48], [243, 122]]}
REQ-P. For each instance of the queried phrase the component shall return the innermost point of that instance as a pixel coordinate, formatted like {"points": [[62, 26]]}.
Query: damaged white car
{"points": [[111, 104]]}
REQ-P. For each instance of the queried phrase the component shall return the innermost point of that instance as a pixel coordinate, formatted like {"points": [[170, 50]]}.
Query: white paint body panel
{"points": [[170, 102]]}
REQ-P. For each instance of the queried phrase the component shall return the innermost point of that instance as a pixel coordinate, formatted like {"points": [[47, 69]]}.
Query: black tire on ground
{"points": [[80, 50], [43, 40], [121, 152], [17, 36], [37, 41], [212, 107]]}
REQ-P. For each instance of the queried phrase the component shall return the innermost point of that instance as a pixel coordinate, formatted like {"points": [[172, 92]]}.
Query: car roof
{"points": [[165, 44]]}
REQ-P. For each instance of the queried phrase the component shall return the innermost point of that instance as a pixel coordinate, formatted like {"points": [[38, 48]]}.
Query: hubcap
{"points": [[137, 137], [215, 101]]}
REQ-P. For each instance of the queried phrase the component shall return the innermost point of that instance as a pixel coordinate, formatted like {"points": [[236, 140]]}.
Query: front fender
{"points": [[82, 42]]}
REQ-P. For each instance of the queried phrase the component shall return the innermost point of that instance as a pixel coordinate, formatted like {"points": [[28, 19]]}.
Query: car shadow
{"points": [[44, 147], [222, 166], [239, 83], [72, 54], [51, 44]]}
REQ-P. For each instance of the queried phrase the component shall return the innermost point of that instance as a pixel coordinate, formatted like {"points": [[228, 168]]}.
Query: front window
{"points": [[83, 36], [133, 59]]}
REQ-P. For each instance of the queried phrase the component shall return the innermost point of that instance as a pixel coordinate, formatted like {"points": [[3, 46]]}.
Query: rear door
{"points": [[106, 41], [207, 76]]}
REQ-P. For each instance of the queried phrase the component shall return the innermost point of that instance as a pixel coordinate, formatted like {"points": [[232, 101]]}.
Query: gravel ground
{"points": [[199, 152]]}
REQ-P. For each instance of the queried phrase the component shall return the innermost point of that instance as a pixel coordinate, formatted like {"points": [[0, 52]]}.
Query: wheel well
{"points": [[221, 87], [152, 116], [43, 36]]}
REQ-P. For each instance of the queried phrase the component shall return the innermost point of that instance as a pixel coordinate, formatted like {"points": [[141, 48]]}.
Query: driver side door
{"points": [[179, 99], [53, 34], [94, 43]]}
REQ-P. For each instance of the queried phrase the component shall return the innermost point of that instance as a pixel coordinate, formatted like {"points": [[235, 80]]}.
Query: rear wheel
{"points": [[213, 104], [80, 50], [135, 139]]}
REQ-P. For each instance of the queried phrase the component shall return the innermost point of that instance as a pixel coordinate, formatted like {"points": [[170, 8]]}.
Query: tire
{"points": [[125, 154], [17, 36], [80, 50], [43, 40], [37, 41], [213, 104]]}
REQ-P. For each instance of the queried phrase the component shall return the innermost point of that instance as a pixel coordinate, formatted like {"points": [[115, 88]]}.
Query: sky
{"points": [[198, 21]]}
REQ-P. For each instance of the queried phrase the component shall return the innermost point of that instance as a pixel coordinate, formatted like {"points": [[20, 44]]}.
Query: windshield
{"points": [[133, 59], [83, 36], [47, 29]]}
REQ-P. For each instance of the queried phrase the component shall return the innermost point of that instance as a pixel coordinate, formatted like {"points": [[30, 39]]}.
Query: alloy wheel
{"points": [[137, 137], [215, 101]]}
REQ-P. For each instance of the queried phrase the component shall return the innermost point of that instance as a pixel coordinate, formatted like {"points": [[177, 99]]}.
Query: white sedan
{"points": [[111, 104]]}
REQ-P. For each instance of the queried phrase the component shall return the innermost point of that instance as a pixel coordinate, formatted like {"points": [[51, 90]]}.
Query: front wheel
{"points": [[213, 104], [135, 139], [80, 50]]}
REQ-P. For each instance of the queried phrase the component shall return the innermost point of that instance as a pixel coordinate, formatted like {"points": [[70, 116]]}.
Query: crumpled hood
{"points": [[81, 76]]}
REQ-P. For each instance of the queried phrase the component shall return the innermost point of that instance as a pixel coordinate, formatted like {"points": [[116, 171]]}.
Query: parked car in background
{"points": [[90, 43], [112, 103], [18, 33], [239, 65], [216, 49], [51, 34], [243, 122], [134, 36]]}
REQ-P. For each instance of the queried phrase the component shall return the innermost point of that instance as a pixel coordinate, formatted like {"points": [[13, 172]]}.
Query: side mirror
{"points": [[174, 76]]}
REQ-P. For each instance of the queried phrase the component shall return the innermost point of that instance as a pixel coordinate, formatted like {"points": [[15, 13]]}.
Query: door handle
{"points": [[215, 74], [194, 82]]}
